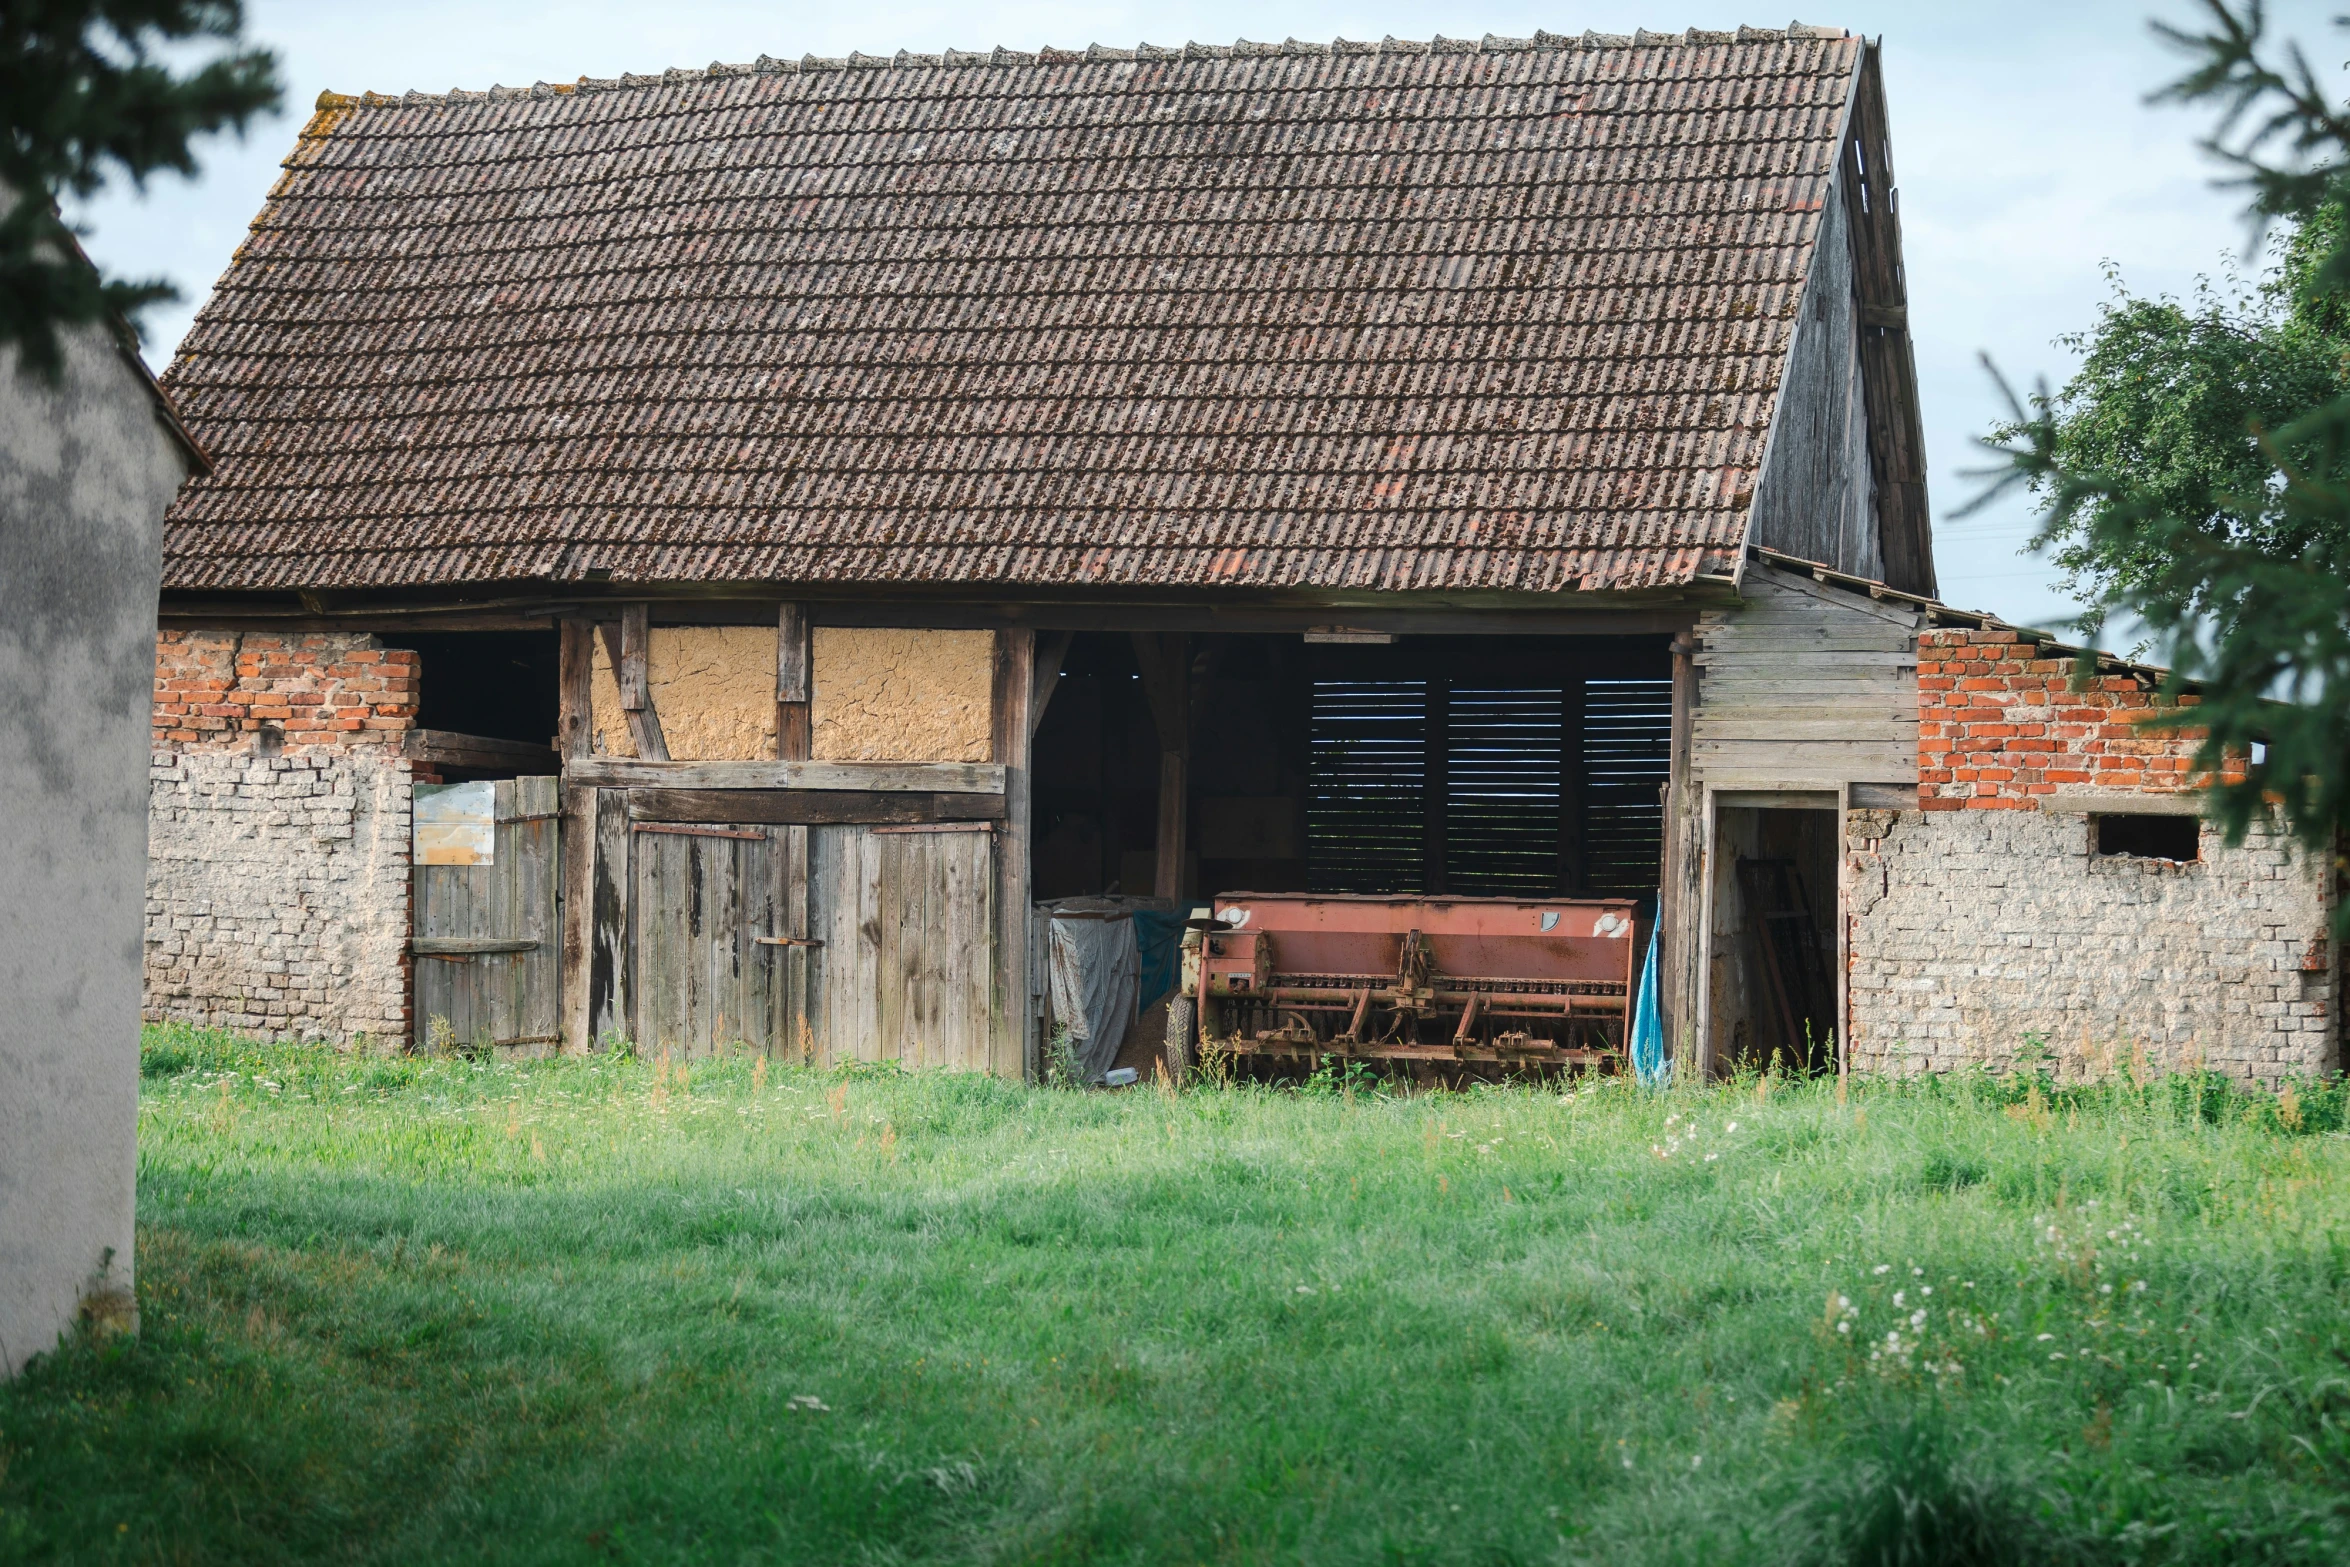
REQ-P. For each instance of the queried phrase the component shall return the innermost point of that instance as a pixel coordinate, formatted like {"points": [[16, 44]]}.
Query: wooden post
{"points": [[1052, 651], [1165, 658], [629, 660], [576, 667], [1682, 894], [611, 942], [794, 725], [1011, 1050], [574, 729]]}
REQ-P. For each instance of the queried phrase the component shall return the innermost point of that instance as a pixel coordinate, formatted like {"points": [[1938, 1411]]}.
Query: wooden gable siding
{"points": [[1801, 684], [1816, 498]]}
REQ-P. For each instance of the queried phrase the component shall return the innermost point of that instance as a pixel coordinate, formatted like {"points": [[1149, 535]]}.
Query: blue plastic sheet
{"points": [[1648, 1027], [1158, 937]]}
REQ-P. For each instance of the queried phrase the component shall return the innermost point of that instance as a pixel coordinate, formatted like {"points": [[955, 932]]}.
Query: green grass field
{"points": [[407, 1310]]}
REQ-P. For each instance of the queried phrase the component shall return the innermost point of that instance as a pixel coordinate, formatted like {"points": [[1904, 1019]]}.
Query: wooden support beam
{"points": [[810, 807], [576, 670], [613, 772], [440, 748], [1681, 892], [630, 656], [610, 938], [1052, 651], [1165, 660], [795, 733], [575, 891], [1012, 1049]]}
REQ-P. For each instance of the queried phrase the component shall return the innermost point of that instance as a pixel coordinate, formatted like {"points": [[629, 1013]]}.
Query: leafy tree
{"points": [[83, 94], [2195, 476], [2175, 394]]}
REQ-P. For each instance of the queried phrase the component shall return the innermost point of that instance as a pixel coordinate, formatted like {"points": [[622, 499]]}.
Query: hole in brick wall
{"points": [[269, 740], [2147, 837], [503, 685]]}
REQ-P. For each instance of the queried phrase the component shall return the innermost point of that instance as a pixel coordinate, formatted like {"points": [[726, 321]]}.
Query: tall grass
{"points": [[413, 1309]]}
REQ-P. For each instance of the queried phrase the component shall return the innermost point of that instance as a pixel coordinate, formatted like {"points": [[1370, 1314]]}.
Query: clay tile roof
{"points": [[1465, 314]]}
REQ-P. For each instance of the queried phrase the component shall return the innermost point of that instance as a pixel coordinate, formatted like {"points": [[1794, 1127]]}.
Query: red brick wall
{"points": [[215, 689], [1999, 724]]}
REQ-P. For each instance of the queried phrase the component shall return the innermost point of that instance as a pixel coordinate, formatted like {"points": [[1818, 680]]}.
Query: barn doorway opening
{"points": [[1172, 771], [1772, 988], [488, 702]]}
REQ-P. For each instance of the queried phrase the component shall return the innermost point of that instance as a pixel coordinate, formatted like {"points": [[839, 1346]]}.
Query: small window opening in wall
{"points": [[2147, 837]]}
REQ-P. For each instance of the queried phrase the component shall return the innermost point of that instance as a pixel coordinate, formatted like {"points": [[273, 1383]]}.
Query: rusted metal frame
{"points": [[1014, 1051], [683, 830], [795, 733]]}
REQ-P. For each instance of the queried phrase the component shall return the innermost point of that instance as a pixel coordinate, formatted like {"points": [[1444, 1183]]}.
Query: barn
{"points": [[703, 559]]}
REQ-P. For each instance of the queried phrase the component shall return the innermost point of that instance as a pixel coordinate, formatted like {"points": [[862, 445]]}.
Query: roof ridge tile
{"points": [[966, 59]]}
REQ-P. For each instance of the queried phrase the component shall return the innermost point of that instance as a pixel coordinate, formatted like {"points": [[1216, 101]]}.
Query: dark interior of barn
{"points": [[487, 685], [1462, 766]]}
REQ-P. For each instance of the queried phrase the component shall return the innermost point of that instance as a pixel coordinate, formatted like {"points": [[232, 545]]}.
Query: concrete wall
{"points": [[278, 804], [1983, 916], [86, 469], [901, 696]]}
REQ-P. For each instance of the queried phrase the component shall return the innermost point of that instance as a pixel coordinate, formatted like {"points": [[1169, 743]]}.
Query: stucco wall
{"points": [[713, 686], [86, 470], [901, 696], [1972, 929], [278, 893]]}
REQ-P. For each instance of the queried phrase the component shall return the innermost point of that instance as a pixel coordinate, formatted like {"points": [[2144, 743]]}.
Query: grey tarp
{"points": [[1096, 969]]}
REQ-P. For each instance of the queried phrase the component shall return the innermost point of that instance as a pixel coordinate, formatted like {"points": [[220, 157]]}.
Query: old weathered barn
{"points": [[856, 499]]}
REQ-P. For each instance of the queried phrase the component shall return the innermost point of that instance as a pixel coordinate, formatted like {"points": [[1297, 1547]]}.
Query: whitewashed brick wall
{"points": [[1972, 929], [277, 893]]}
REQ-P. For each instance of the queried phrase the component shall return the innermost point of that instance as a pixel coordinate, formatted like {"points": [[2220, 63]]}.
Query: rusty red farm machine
{"points": [[1445, 985]]}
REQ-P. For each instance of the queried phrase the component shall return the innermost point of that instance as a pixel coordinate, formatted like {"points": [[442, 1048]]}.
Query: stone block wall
{"points": [[278, 833], [1984, 918]]}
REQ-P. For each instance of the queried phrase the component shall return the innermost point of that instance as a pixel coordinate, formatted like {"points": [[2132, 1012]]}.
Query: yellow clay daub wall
{"points": [[714, 687], [901, 696]]}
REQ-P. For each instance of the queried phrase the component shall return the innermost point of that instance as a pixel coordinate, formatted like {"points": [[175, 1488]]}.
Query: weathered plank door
{"points": [[484, 926], [712, 957], [907, 921]]}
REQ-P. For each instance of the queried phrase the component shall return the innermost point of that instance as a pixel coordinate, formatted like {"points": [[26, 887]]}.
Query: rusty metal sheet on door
{"points": [[456, 824]]}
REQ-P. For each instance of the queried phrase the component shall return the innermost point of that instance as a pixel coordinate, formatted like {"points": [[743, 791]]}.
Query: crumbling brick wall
{"points": [[1983, 919], [278, 834]]}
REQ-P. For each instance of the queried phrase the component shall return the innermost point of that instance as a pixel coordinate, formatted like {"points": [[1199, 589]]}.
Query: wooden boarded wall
{"points": [[1804, 685]]}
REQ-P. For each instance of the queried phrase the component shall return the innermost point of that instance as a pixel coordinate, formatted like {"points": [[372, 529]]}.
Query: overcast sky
{"points": [[2026, 156]]}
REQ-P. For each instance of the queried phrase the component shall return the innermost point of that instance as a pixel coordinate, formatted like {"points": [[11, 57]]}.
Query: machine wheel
{"points": [[1178, 1044]]}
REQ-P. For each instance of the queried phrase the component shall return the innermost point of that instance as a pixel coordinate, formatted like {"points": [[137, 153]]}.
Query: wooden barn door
{"points": [[484, 923], [713, 937], [906, 917]]}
